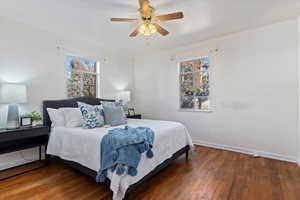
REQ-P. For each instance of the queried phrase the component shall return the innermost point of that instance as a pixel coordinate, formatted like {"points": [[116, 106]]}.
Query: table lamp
{"points": [[124, 97], [13, 94]]}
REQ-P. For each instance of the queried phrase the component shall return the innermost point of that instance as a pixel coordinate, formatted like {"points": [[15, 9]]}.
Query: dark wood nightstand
{"points": [[23, 138], [136, 116]]}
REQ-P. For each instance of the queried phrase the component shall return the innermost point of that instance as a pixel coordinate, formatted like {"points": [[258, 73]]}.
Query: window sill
{"points": [[195, 110]]}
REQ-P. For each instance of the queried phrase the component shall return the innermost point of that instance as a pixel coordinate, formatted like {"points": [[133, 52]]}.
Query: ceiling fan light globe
{"points": [[147, 29]]}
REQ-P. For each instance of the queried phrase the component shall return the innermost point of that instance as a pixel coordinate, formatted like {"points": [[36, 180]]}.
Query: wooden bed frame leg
{"points": [[187, 155]]}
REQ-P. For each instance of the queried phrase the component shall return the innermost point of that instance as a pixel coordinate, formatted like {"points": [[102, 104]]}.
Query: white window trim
{"points": [[179, 81], [97, 73], [98, 79]]}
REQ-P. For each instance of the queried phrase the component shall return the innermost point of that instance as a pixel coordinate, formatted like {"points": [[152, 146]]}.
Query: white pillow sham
{"points": [[72, 116], [57, 117]]}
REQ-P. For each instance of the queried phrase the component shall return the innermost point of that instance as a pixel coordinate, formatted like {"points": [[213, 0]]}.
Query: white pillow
{"points": [[57, 117], [72, 116]]}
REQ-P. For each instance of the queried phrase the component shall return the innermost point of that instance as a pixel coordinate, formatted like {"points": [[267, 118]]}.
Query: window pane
{"points": [[74, 84], [201, 103], [205, 104], [186, 67], [89, 85], [81, 64], [197, 65], [187, 102], [202, 90], [205, 63], [201, 83], [187, 84]]}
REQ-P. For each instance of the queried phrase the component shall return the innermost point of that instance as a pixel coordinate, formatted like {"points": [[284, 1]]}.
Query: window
{"points": [[82, 77], [194, 84]]}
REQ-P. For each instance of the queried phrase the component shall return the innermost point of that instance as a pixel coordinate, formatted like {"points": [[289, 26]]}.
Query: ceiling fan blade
{"points": [[172, 16], [123, 20], [135, 32], [161, 30]]}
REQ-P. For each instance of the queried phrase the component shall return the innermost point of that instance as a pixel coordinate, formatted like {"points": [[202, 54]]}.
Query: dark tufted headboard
{"points": [[70, 103]]}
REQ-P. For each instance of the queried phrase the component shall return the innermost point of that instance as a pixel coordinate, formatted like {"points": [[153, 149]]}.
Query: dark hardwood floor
{"points": [[209, 174]]}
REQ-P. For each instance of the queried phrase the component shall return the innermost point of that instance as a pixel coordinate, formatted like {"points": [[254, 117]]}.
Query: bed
{"points": [[80, 148]]}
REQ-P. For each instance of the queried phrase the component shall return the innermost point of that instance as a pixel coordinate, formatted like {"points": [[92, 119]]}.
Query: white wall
{"points": [[31, 56], [254, 90]]}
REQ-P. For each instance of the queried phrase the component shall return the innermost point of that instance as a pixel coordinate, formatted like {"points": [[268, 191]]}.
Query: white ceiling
{"points": [[89, 20]]}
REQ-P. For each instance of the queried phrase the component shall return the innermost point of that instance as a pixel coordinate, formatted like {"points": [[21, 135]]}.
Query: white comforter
{"points": [[83, 146]]}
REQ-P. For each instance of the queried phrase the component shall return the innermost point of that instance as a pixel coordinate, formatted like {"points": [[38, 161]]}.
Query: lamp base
{"points": [[13, 121]]}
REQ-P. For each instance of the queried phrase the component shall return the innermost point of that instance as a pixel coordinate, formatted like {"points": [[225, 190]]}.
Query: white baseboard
{"points": [[15, 163], [252, 152]]}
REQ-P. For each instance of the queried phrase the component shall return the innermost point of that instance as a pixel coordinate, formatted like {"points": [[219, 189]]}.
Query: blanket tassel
{"points": [[120, 169], [101, 176], [150, 153], [132, 171]]}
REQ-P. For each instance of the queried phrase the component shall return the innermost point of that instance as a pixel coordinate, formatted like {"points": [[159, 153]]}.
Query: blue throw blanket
{"points": [[123, 147]]}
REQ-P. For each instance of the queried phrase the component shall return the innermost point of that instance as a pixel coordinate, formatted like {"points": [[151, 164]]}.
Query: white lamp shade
{"points": [[124, 96], [11, 93]]}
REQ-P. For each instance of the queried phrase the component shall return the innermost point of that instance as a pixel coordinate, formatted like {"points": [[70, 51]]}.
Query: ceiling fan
{"points": [[149, 21]]}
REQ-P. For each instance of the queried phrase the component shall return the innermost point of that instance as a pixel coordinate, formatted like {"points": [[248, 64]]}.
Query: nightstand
{"points": [[23, 138], [136, 116]]}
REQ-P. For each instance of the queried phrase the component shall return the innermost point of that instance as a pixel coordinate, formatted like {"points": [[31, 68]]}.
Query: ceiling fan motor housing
{"points": [[147, 14]]}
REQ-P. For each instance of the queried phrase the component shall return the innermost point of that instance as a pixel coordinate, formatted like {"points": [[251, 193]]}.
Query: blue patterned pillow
{"points": [[92, 115]]}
